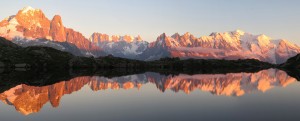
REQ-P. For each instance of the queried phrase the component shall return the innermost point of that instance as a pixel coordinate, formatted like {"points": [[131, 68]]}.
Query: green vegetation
{"points": [[32, 57]]}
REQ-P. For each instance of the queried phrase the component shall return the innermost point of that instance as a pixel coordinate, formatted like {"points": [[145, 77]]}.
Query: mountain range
{"points": [[30, 27]]}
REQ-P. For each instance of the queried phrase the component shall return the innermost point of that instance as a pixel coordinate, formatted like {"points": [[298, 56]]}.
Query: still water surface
{"points": [[265, 95]]}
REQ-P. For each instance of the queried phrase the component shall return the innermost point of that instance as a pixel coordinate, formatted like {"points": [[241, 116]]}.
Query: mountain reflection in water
{"points": [[30, 99]]}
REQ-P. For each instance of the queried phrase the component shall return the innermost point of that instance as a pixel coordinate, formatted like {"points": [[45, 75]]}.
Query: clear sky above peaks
{"points": [[149, 18]]}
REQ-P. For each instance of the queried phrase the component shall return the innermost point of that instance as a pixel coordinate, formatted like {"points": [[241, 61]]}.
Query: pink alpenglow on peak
{"points": [[228, 45], [28, 8], [32, 24]]}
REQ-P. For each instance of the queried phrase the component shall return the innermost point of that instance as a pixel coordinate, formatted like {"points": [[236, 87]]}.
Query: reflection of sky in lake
{"points": [[265, 95]]}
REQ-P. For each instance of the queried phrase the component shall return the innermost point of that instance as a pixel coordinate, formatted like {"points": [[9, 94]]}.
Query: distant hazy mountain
{"points": [[31, 27]]}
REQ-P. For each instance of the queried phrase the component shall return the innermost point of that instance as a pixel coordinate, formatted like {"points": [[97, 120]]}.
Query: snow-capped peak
{"points": [[264, 39], [288, 43], [27, 9], [263, 36], [187, 34], [240, 32]]}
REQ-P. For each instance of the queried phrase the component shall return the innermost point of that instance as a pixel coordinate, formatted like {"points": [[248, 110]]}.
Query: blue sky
{"points": [[150, 18]]}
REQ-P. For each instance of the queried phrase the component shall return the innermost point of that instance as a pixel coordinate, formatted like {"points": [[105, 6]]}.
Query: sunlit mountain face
{"points": [[30, 27], [30, 99]]}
